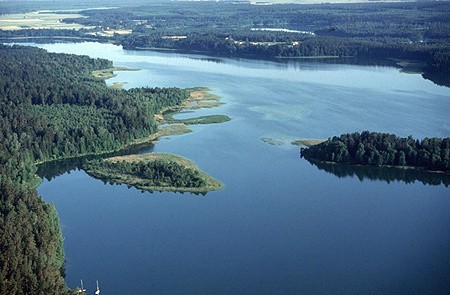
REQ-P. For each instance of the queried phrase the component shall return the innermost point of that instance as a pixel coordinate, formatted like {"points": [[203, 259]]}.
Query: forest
{"points": [[383, 149], [53, 108], [417, 31]]}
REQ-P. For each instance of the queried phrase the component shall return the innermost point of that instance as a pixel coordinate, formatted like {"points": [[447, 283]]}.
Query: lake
{"points": [[281, 224]]}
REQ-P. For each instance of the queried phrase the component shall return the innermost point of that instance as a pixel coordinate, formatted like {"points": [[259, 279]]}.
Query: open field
{"points": [[42, 19]]}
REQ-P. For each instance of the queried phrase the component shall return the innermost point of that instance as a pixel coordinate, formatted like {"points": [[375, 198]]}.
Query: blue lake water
{"points": [[280, 225]]}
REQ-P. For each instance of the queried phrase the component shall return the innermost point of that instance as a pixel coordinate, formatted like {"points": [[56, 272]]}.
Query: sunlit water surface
{"points": [[280, 225]]}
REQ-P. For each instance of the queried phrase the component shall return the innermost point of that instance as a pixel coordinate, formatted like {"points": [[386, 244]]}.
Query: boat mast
{"points": [[82, 290], [98, 290]]}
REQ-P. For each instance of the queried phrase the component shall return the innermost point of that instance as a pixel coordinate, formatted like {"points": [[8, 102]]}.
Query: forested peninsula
{"points": [[52, 107], [383, 149]]}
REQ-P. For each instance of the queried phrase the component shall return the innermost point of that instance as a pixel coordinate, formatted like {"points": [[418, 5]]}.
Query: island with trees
{"points": [[153, 172], [383, 149]]}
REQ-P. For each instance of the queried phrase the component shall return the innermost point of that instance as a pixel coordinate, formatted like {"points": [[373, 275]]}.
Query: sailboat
{"points": [[82, 290], [98, 290]]}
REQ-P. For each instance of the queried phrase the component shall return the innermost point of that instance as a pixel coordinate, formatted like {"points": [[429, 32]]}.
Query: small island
{"points": [[154, 172], [382, 149], [210, 119]]}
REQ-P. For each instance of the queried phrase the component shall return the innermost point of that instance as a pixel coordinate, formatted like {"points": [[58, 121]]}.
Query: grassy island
{"points": [[382, 149], [154, 172], [211, 119]]}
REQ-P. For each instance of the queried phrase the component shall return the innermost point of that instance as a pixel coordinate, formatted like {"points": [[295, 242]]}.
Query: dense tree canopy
{"points": [[378, 149], [32, 256]]}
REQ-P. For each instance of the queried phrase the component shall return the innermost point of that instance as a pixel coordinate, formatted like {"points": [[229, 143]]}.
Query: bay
{"points": [[281, 224]]}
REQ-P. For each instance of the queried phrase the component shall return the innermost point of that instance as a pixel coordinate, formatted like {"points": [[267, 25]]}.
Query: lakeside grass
{"points": [[112, 176], [308, 142], [211, 119], [109, 73], [199, 98]]}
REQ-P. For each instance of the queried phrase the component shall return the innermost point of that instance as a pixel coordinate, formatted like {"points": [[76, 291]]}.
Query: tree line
{"points": [[378, 149]]}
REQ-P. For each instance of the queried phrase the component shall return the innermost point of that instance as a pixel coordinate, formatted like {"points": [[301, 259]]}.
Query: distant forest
{"points": [[382, 149], [53, 108], [418, 31]]}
